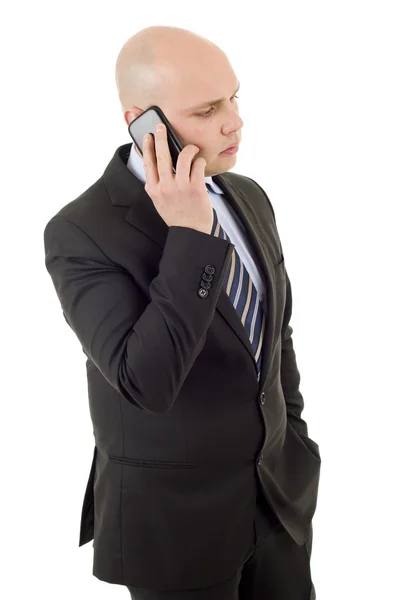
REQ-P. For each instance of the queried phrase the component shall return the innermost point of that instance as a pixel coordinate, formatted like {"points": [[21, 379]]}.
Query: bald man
{"points": [[204, 480]]}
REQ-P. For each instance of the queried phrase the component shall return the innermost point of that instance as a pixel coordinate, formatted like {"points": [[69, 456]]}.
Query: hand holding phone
{"points": [[182, 199], [179, 193]]}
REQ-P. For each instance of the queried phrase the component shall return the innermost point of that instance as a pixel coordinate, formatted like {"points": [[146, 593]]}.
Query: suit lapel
{"points": [[126, 190], [249, 217]]}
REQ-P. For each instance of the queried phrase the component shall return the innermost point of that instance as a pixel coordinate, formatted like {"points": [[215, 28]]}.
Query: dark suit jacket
{"points": [[183, 429]]}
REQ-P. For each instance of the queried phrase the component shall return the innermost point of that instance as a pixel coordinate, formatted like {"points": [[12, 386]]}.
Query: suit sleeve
{"points": [[144, 349], [290, 376]]}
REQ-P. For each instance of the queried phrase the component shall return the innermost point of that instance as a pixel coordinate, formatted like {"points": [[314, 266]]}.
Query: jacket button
{"points": [[260, 459], [207, 277], [210, 269], [202, 293], [205, 284], [262, 398]]}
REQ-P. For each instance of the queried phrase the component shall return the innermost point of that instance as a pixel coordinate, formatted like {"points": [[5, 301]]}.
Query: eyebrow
{"points": [[210, 102]]}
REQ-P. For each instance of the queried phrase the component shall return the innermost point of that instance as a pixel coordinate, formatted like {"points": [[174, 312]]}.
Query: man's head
{"points": [[178, 70]]}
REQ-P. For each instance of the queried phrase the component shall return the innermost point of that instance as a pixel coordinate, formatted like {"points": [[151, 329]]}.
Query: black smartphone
{"points": [[146, 123]]}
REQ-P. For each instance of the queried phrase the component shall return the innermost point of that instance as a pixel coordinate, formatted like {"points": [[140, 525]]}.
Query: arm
{"points": [[144, 349], [290, 376]]}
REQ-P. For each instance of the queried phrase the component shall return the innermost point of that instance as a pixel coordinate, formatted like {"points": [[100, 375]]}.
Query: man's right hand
{"points": [[180, 199]]}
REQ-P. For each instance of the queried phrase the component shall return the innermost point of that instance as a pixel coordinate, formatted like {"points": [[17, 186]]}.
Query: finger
{"points": [[198, 169], [163, 154], [185, 162], [150, 167]]}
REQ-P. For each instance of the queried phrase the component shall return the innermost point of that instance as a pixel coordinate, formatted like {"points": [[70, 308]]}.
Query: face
{"points": [[210, 126]]}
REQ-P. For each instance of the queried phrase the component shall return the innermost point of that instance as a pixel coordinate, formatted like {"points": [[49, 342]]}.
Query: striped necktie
{"points": [[244, 296]]}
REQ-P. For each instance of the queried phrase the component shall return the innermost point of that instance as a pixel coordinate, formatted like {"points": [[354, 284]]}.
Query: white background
{"points": [[320, 103]]}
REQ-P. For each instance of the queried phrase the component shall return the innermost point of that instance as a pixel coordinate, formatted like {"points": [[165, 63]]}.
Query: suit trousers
{"points": [[276, 568]]}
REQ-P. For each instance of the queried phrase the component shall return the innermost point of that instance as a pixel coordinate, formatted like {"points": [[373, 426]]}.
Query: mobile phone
{"points": [[146, 123]]}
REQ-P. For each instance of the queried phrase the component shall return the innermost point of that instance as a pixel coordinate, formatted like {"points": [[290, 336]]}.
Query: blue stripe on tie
{"points": [[243, 295]]}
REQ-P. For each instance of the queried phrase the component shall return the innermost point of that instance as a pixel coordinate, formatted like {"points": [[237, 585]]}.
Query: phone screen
{"points": [[146, 123]]}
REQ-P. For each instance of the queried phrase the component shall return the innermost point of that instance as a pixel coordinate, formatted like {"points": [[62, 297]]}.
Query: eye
{"points": [[209, 113]]}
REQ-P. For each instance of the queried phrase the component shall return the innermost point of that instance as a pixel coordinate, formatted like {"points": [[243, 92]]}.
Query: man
{"points": [[204, 480]]}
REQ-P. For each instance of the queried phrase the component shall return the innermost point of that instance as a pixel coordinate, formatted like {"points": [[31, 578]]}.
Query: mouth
{"points": [[232, 148]]}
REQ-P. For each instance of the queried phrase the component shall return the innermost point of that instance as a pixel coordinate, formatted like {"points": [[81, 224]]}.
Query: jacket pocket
{"points": [[150, 464], [311, 445]]}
